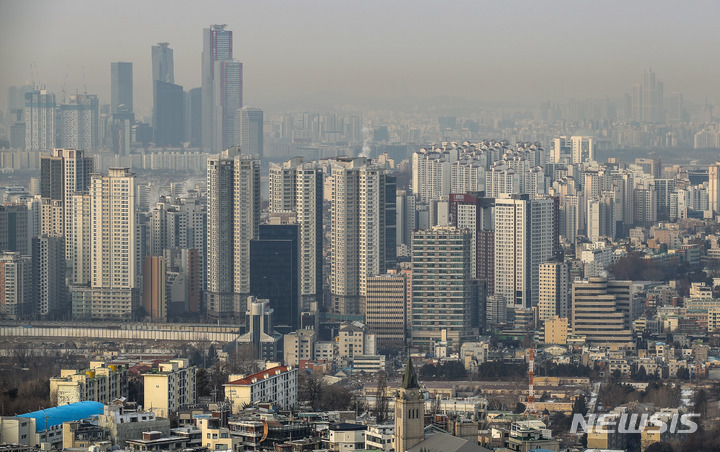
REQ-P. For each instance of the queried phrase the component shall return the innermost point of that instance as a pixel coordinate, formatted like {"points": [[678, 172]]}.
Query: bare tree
{"points": [[381, 399]]}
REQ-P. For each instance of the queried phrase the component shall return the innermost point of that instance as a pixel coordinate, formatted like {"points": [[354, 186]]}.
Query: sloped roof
{"points": [[258, 376]]}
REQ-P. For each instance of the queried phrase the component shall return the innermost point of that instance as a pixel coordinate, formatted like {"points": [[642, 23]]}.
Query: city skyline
{"points": [[312, 52]]}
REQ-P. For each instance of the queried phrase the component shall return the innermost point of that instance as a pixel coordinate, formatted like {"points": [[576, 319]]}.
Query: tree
{"points": [[660, 447], [381, 399], [519, 408], [580, 405], [310, 389], [683, 373]]}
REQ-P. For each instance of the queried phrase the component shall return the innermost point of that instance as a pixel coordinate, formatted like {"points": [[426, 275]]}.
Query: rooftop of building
{"points": [[51, 417], [257, 376]]}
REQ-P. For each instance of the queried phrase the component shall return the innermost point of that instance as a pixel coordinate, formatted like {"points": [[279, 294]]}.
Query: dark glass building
{"points": [[275, 272]]}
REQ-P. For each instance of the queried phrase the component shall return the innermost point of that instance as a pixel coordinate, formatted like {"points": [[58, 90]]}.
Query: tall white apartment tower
{"points": [[714, 187], [362, 228], [298, 187], [233, 217], [526, 235]]}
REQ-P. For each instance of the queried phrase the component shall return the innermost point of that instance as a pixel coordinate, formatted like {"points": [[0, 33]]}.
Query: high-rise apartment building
{"points": [[16, 285], [445, 302], [553, 290], [714, 187], [583, 149], [15, 229], [62, 174], [526, 235], [79, 119], [362, 230], [114, 251], [474, 212], [217, 46], [249, 130], [385, 309], [647, 99], [233, 217], [121, 88], [298, 187], [40, 121]]}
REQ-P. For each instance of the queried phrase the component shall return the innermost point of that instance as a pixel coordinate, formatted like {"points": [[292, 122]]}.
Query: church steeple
{"points": [[409, 411], [410, 380]]}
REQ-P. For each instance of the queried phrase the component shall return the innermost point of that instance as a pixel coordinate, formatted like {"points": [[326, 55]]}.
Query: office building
{"points": [[259, 330], [362, 230], [599, 314], [385, 309], [40, 121], [526, 235], [277, 385], [17, 291], [445, 303], [79, 119], [168, 114], [553, 290], [355, 339], [217, 46], [172, 386], [227, 99], [121, 88], [193, 117], [168, 98], [163, 68], [275, 272], [298, 187], [233, 217], [249, 130]]}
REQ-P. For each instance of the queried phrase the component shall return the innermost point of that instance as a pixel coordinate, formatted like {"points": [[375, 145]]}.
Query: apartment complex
{"points": [[169, 387], [277, 385]]}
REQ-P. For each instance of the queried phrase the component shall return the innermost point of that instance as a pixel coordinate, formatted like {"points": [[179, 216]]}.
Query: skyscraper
{"points": [[162, 63], [385, 307], [362, 230], [168, 108], [193, 117], [121, 87], [39, 121], [526, 235], [233, 217], [297, 186], [217, 46], [249, 130], [227, 99]]}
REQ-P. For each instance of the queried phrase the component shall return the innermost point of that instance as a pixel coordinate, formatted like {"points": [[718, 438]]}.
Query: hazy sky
{"points": [[491, 50]]}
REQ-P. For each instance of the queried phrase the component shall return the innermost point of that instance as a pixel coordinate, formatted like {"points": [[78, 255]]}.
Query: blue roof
{"points": [[65, 413]]}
